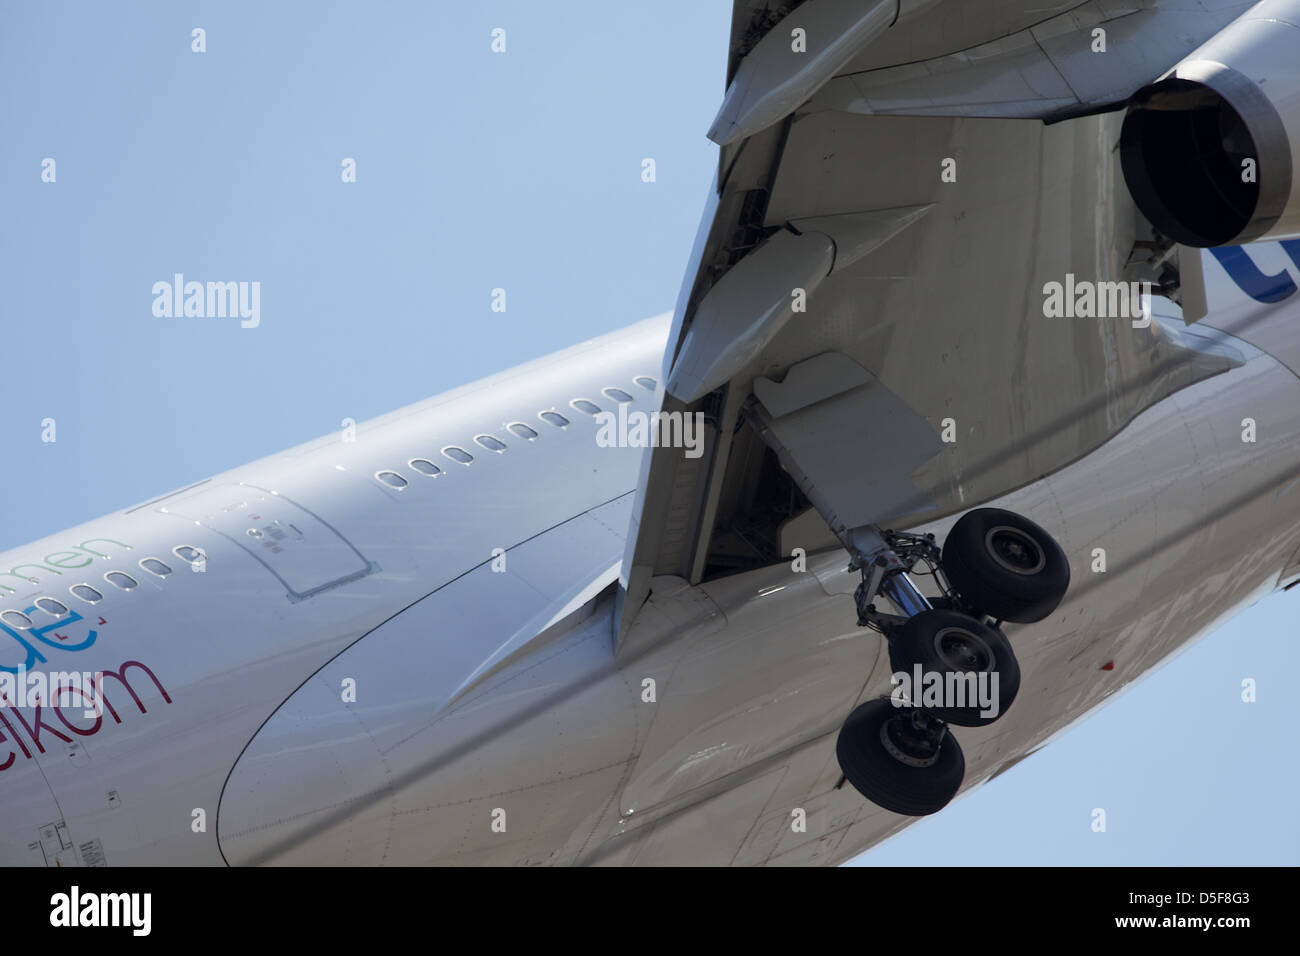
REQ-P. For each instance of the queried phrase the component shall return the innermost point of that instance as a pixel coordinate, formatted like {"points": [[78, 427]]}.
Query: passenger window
{"points": [[617, 394], [491, 443], [425, 467], [553, 418], [646, 382], [51, 607], [188, 554], [582, 405], [154, 566], [86, 593], [522, 430], [456, 453], [120, 580], [392, 479], [16, 619]]}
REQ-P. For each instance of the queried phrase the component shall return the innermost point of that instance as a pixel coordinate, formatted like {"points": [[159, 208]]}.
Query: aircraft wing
{"points": [[865, 328]]}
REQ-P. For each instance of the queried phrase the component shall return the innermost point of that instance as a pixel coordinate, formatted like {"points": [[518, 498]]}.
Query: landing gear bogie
{"points": [[952, 664]]}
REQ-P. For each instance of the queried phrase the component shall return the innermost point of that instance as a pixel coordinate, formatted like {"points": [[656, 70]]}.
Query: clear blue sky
{"points": [[475, 171]]}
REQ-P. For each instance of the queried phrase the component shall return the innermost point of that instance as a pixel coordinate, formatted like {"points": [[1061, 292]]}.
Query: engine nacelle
{"points": [[1209, 149]]}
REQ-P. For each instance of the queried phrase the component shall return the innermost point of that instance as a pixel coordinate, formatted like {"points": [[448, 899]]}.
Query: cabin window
{"points": [[646, 382], [121, 580], [154, 566], [456, 453], [425, 467], [491, 443], [522, 431], [582, 405], [16, 619], [554, 418], [86, 593], [51, 607], [617, 394], [392, 479]]}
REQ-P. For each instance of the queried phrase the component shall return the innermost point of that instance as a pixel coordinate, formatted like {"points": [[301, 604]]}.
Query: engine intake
{"points": [[1208, 150]]}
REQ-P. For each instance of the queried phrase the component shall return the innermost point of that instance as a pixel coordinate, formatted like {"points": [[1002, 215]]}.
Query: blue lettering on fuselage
{"points": [[1251, 280], [33, 655]]}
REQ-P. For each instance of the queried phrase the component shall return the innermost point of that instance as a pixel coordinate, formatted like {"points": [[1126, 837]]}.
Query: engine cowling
{"points": [[1209, 149]]}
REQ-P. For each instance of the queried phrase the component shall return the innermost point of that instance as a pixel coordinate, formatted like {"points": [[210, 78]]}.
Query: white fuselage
{"points": [[366, 674]]}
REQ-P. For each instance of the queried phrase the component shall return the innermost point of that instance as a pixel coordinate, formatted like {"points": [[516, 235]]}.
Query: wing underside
{"points": [[863, 328]]}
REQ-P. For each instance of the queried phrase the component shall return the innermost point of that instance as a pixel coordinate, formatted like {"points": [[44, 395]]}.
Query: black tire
{"points": [[949, 642], [1005, 565], [885, 780]]}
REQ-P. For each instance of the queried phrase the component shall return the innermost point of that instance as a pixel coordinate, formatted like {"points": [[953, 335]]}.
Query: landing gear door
{"points": [[850, 443], [303, 552]]}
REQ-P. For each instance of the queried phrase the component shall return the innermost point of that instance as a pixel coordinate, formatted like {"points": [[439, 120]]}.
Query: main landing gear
{"points": [[952, 664]]}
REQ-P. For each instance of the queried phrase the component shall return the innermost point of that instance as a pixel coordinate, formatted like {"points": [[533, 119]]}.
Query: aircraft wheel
{"points": [[979, 659], [1005, 565], [900, 758]]}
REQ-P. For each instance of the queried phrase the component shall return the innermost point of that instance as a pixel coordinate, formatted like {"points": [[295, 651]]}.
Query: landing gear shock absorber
{"points": [[946, 659]]}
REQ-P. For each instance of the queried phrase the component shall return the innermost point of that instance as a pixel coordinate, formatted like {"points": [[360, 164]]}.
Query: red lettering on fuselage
{"points": [[40, 724], [100, 692]]}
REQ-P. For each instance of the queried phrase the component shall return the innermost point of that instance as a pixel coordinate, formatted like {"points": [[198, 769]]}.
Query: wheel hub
{"points": [[1014, 550], [912, 738], [961, 650]]}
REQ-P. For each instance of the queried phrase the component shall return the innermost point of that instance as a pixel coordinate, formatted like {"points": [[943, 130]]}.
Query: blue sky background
{"points": [[475, 170]]}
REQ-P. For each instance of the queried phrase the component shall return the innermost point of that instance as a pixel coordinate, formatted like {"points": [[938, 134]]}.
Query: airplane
{"points": [[983, 379]]}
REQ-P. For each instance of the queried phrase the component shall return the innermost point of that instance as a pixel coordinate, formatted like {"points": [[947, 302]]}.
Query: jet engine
{"points": [[1209, 149]]}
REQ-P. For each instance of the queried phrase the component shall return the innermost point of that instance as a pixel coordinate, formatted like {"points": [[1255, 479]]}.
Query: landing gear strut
{"points": [[952, 663]]}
